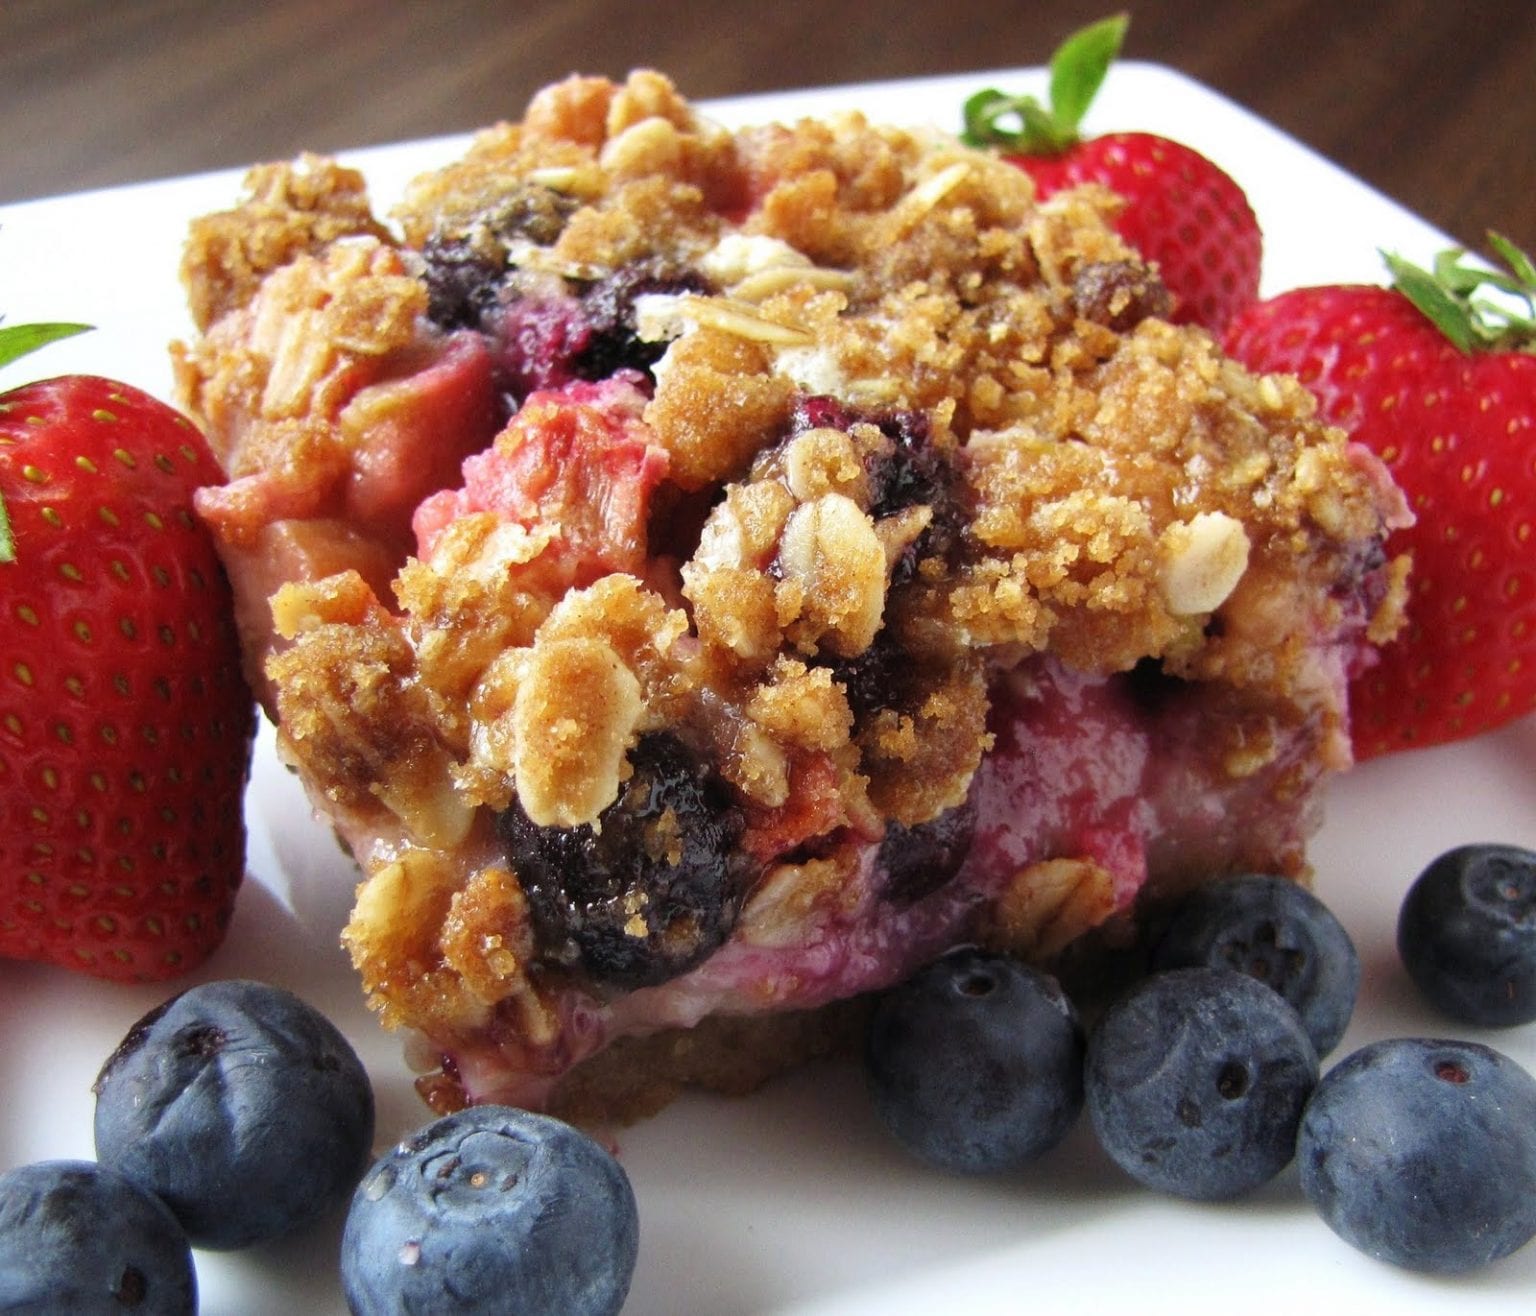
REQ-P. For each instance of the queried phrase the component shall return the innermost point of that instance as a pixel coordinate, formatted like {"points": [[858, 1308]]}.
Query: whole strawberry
{"points": [[125, 722], [1437, 376], [1181, 211]]}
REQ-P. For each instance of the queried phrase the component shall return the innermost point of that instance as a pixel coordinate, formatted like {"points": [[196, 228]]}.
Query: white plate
{"points": [[791, 1201]]}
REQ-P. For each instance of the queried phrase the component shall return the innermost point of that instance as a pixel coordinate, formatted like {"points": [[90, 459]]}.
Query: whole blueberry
{"points": [[1278, 932], [1195, 1081], [975, 1062], [78, 1238], [1422, 1152], [492, 1209], [1466, 933], [241, 1107]]}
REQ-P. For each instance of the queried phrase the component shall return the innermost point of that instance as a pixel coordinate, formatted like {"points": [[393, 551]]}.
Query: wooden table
{"points": [[1433, 103]]}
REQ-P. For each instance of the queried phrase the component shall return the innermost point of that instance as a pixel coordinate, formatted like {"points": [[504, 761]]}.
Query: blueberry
{"points": [[1273, 930], [1467, 934], [75, 1237], [491, 1209], [975, 1062], [465, 266], [882, 676], [552, 336], [653, 888], [909, 470], [239, 1106], [1195, 1082], [463, 280], [920, 859], [608, 310], [1423, 1153]]}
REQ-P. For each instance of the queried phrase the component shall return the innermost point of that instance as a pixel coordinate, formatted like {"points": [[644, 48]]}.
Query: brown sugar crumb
{"points": [[822, 453], [352, 714], [289, 210], [802, 706], [920, 758], [716, 404]]}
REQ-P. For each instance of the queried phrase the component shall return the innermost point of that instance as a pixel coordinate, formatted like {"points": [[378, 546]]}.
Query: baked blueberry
{"points": [[241, 1107], [975, 1062], [611, 343], [884, 675], [1422, 1152], [535, 339], [463, 279], [465, 267], [76, 1237], [547, 335], [918, 860], [1467, 934], [651, 889], [488, 1210], [909, 470], [1278, 932], [1195, 1082]]}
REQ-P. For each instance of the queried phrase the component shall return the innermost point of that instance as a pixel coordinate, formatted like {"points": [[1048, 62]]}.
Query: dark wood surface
{"points": [[1432, 102]]}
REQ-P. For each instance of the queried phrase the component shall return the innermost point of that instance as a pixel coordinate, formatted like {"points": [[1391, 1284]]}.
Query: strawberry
{"points": [[1437, 375], [1180, 211], [125, 722]]}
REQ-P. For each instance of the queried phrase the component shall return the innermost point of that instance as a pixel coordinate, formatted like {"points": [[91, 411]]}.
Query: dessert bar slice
{"points": [[704, 575]]}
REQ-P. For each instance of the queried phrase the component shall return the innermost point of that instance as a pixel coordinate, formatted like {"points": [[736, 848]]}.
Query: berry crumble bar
{"points": [[704, 575]]}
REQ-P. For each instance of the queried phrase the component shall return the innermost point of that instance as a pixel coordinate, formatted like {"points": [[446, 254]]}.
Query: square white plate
{"points": [[792, 1201]]}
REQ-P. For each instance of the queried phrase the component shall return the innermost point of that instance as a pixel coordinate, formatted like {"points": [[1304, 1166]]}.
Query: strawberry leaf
{"points": [[1523, 266], [1477, 307], [1032, 131], [1441, 305], [19, 339], [1021, 123], [1078, 68]]}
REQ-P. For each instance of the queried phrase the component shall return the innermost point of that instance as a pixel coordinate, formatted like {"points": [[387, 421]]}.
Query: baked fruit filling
{"points": [[704, 575]]}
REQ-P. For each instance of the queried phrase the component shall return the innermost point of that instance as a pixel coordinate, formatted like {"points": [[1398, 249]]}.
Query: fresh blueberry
{"points": [[491, 1209], [1195, 1081], [1278, 932], [1467, 934], [975, 1062], [1423, 1153], [241, 1107], [78, 1238]]}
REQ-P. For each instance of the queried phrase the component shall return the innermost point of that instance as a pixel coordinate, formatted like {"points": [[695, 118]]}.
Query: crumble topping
{"points": [[642, 450], [290, 210]]}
